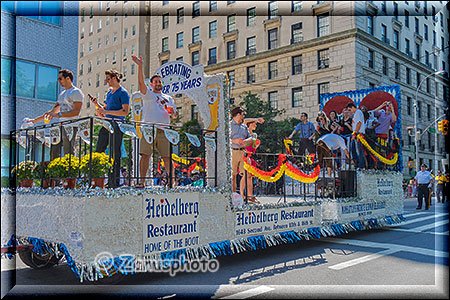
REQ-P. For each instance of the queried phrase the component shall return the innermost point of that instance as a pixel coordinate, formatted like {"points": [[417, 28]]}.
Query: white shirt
{"points": [[333, 141], [153, 110], [66, 99], [358, 116], [423, 177]]}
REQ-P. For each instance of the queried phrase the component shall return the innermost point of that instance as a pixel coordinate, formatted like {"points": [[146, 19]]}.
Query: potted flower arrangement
{"points": [[37, 173], [101, 166], [23, 172], [66, 168]]}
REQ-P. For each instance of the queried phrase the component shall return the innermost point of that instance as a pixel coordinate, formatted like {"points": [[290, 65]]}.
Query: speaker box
{"points": [[347, 183]]}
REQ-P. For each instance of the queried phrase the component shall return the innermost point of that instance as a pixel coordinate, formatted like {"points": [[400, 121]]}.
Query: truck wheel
{"points": [[38, 261]]}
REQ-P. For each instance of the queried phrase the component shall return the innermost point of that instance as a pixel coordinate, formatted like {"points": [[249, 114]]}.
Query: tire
{"points": [[38, 261]]}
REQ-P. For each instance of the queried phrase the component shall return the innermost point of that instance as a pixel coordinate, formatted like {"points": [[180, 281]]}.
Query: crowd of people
{"points": [[333, 138], [338, 131]]}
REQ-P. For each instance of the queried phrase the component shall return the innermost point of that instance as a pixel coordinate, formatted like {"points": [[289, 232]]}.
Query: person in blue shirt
{"points": [[306, 132], [116, 108], [424, 180]]}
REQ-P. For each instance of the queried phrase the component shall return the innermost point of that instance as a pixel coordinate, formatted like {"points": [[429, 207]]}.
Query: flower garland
{"points": [[284, 167], [391, 161], [296, 174]]}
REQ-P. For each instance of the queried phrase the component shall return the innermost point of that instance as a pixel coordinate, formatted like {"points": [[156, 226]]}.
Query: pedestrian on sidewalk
{"points": [[440, 180], [424, 181]]}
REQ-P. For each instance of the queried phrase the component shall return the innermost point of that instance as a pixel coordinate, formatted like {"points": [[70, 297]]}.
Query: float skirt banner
{"points": [[170, 222], [260, 222]]}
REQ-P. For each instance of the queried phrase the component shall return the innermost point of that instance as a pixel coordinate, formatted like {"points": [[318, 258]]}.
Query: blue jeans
{"points": [[357, 154]]}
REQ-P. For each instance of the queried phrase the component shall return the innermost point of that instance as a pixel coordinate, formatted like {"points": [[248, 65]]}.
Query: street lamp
{"points": [[416, 131]]}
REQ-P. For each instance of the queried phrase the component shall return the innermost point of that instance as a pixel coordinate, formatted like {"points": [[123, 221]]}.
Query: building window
{"points": [[194, 112], [385, 65], [231, 49], [406, 18], [417, 79], [212, 29], [195, 9], [370, 24], [273, 38], [322, 25], [231, 77], [418, 51], [395, 10], [397, 70], [408, 75], [165, 21], [32, 80], [212, 6], [273, 9], [419, 109], [195, 58], [297, 96], [416, 26], [296, 33], [371, 59], [429, 112], [106, 40], [251, 16], [322, 88], [425, 31], [99, 29], [231, 23], [273, 100], [427, 58], [180, 15], [44, 11], [407, 47], [180, 38], [125, 33], [434, 38], [251, 45], [408, 105], [384, 33], [251, 74], [296, 64], [195, 35], [296, 5], [323, 59], [165, 44], [212, 56], [428, 85], [273, 69], [396, 40]]}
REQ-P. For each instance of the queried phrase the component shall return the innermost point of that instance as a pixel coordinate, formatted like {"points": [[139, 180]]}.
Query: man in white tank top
{"points": [[67, 107], [157, 108]]}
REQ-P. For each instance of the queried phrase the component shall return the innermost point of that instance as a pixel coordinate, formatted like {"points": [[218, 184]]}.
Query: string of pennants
{"points": [[52, 136]]}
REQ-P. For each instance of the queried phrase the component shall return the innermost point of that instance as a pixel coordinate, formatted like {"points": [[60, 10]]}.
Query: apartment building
{"points": [[291, 52], [38, 39], [110, 32]]}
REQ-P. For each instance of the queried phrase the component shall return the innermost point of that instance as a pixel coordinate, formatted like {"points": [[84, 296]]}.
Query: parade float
{"points": [[101, 232]]}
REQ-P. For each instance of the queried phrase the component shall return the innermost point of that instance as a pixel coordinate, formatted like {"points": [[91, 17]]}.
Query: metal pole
{"points": [[416, 131]]}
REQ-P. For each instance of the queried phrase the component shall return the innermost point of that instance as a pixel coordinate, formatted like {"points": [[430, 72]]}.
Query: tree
{"points": [[272, 132]]}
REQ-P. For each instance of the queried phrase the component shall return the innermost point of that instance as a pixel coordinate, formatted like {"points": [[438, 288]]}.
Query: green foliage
{"points": [[100, 165], [271, 133], [63, 167], [24, 169], [186, 148], [37, 170]]}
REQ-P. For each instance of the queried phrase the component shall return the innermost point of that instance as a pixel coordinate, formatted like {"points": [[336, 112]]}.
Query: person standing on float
{"points": [[67, 107], [158, 108], [116, 108]]}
